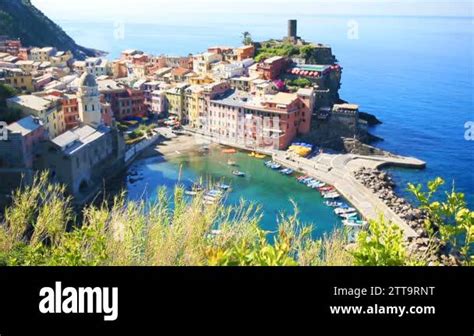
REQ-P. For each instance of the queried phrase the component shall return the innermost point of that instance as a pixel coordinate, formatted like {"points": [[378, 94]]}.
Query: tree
{"points": [[246, 38]]}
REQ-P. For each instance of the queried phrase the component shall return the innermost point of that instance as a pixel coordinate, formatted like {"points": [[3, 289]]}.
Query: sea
{"points": [[416, 74]]}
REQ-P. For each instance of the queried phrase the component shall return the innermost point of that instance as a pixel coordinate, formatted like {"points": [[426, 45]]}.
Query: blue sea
{"points": [[414, 73]]}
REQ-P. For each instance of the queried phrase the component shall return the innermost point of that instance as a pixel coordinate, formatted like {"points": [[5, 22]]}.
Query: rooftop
{"points": [[273, 59], [25, 126], [109, 85], [281, 98], [78, 138], [30, 101], [180, 71]]}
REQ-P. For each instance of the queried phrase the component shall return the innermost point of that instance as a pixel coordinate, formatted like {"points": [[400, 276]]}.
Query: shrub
{"points": [[449, 220]]}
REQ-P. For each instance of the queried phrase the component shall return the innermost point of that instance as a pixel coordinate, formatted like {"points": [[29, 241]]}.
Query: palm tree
{"points": [[246, 38]]}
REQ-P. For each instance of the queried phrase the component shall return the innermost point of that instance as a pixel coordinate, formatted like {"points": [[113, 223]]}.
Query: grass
{"points": [[40, 228]]}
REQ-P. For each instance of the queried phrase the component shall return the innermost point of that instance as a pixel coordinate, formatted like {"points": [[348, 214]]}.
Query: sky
{"points": [[146, 11]]}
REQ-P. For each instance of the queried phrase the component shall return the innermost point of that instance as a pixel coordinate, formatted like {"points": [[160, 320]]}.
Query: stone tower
{"points": [[292, 30], [88, 98]]}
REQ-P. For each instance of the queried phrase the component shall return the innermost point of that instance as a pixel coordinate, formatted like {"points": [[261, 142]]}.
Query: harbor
{"points": [[323, 187], [338, 170]]}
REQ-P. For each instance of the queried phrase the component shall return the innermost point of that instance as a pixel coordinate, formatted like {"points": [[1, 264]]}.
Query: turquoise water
{"points": [[261, 185], [415, 73]]}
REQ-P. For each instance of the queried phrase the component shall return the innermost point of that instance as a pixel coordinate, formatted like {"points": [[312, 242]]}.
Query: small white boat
{"points": [[333, 204], [231, 162], [339, 211], [348, 215], [223, 186], [331, 195], [354, 223], [238, 173], [190, 192]]}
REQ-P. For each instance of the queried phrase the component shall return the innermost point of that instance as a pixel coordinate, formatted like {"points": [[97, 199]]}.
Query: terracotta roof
{"points": [[180, 71]]}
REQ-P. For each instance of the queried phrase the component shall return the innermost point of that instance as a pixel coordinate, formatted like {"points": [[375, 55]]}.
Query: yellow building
{"points": [[194, 104], [175, 97], [199, 80], [26, 66], [48, 110], [61, 58], [19, 79]]}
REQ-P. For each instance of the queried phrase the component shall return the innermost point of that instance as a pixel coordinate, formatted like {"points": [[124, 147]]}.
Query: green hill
{"points": [[20, 19]]}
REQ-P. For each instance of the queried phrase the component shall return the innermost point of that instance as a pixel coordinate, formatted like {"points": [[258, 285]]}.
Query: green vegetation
{"points": [[135, 233], [138, 134], [20, 19], [382, 244], [246, 38], [450, 221], [273, 48], [8, 115], [299, 82]]}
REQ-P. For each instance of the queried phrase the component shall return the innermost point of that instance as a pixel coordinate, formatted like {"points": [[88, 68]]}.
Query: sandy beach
{"points": [[174, 145]]}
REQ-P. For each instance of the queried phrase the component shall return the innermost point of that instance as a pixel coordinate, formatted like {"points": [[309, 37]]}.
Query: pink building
{"points": [[24, 137], [272, 121]]}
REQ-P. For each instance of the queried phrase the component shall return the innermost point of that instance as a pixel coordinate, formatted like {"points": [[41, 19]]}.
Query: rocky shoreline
{"points": [[424, 246]]}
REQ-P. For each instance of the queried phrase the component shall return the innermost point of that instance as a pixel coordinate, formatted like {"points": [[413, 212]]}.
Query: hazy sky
{"points": [[153, 10]]}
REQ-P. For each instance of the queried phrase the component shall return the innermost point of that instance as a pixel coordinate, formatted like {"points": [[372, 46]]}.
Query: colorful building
{"points": [[175, 97], [47, 110], [124, 101], [272, 67], [21, 147], [272, 121], [19, 79]]}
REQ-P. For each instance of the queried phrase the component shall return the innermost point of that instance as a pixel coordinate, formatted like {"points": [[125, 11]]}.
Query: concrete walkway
{"points": [[336, 169]]}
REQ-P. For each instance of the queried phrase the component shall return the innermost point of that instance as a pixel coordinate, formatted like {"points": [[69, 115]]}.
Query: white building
{"points": [[97, 66], [202, 62]]}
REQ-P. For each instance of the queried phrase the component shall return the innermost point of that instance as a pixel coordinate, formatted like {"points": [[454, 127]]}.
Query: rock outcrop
{"points": [[423, 246]]}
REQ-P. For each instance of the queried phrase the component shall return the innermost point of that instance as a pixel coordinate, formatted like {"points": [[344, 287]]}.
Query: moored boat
{"points": [[339, 211], [331, 195], [238, 173], [348, 215], [334, 204], [354, 223]]}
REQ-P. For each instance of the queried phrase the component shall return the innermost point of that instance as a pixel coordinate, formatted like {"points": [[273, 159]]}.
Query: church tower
{"points": [[89, 100]]}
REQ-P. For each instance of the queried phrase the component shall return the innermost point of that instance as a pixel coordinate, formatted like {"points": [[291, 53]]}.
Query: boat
{"points": [[331, 195], [223, 186], [190, 192], [339, 211], [354, 223], [238, 173], [286, 171], [229, 151], [334, 204], [326, 188], [210, 198], [231, 162], [349, 215], [260, 156], [252, 154]]}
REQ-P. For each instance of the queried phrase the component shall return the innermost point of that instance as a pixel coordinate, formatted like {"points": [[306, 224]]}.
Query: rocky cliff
{"points": [[20, 19]]}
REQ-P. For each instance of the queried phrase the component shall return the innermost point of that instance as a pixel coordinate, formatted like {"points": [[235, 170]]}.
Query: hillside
{"points": [[20, 19]]}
